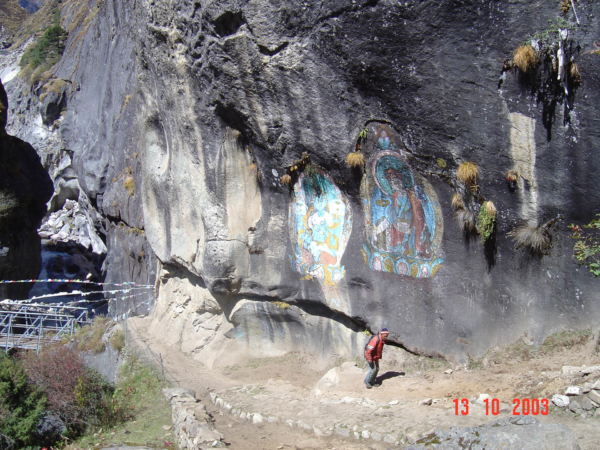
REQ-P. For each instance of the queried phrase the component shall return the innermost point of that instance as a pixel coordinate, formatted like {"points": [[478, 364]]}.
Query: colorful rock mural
{"points": [[320, 223], [403, 218]]}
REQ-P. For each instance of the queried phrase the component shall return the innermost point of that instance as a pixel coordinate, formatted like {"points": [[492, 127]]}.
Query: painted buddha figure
{"points": [[403, 217]]}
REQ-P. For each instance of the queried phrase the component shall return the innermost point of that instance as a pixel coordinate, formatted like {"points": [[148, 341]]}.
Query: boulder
{"points": [[573, 391], [586, 403], [560, 400], [329, 380], [524, 433], [594, 396]]}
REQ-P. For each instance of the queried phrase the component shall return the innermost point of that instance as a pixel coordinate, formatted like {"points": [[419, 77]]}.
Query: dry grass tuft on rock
{"points": [[465, 220], [457, 202], [355, 159], [565, 6], [467, 173], [129, 185], [526, 58], [253, 169], [512, 176], [575, 75], [54, 85], [535, 238], [286, 180]]}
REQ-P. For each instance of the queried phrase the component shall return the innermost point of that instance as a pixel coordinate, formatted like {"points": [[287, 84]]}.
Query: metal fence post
{"points": [[37, 349], [8, 330], [162, 368]]}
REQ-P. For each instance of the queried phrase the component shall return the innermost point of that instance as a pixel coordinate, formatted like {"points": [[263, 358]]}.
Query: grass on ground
{"points": [[416, 363], [521, 351], [139, 390], [89, 338]]}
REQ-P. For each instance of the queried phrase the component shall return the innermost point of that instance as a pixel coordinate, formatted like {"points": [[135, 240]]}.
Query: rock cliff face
{"points": [[11, 16], [25, 187], [182, 118]]}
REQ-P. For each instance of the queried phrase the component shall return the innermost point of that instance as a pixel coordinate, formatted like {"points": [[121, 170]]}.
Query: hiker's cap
{"points": [[385, 330]]}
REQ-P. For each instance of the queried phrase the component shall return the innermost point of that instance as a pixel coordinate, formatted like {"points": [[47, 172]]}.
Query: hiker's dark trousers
{"points": [[372, 374]]}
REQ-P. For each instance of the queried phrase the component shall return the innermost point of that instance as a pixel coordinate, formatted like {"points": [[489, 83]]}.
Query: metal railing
{"points": [[33, 326]]}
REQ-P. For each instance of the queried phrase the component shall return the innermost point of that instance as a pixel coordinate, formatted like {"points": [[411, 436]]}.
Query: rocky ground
{"points": [[292, 402]]}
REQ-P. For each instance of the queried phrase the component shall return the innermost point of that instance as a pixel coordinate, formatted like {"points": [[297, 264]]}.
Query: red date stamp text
{"points": [[521, 406]]}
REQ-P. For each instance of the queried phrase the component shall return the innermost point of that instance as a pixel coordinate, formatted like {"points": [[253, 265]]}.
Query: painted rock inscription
{"points": [[403, 218], [320, 224]]}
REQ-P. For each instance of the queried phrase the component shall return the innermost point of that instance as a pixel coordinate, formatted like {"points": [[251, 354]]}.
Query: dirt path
{"points": [[281, 394]]}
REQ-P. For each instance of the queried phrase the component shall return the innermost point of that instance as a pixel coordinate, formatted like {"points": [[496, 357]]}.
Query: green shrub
{"points": [[46, 52], [21, 406], [75, 393], [486, 220], [587, 246]]}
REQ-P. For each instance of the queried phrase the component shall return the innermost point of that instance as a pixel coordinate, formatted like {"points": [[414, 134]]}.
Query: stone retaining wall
{"points": [[343, 430], [191, 423], [581, 399]]}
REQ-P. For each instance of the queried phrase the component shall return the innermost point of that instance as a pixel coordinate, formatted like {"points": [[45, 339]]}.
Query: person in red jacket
{"points": [[373, 351]]}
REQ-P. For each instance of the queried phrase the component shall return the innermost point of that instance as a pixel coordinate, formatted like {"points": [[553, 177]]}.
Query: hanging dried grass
{"points": [[535, 238], [286, 180], [526, 58], [467, 172], [457, 202], [355, 159], [512, 176], [575, 75], [465, 220]]}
